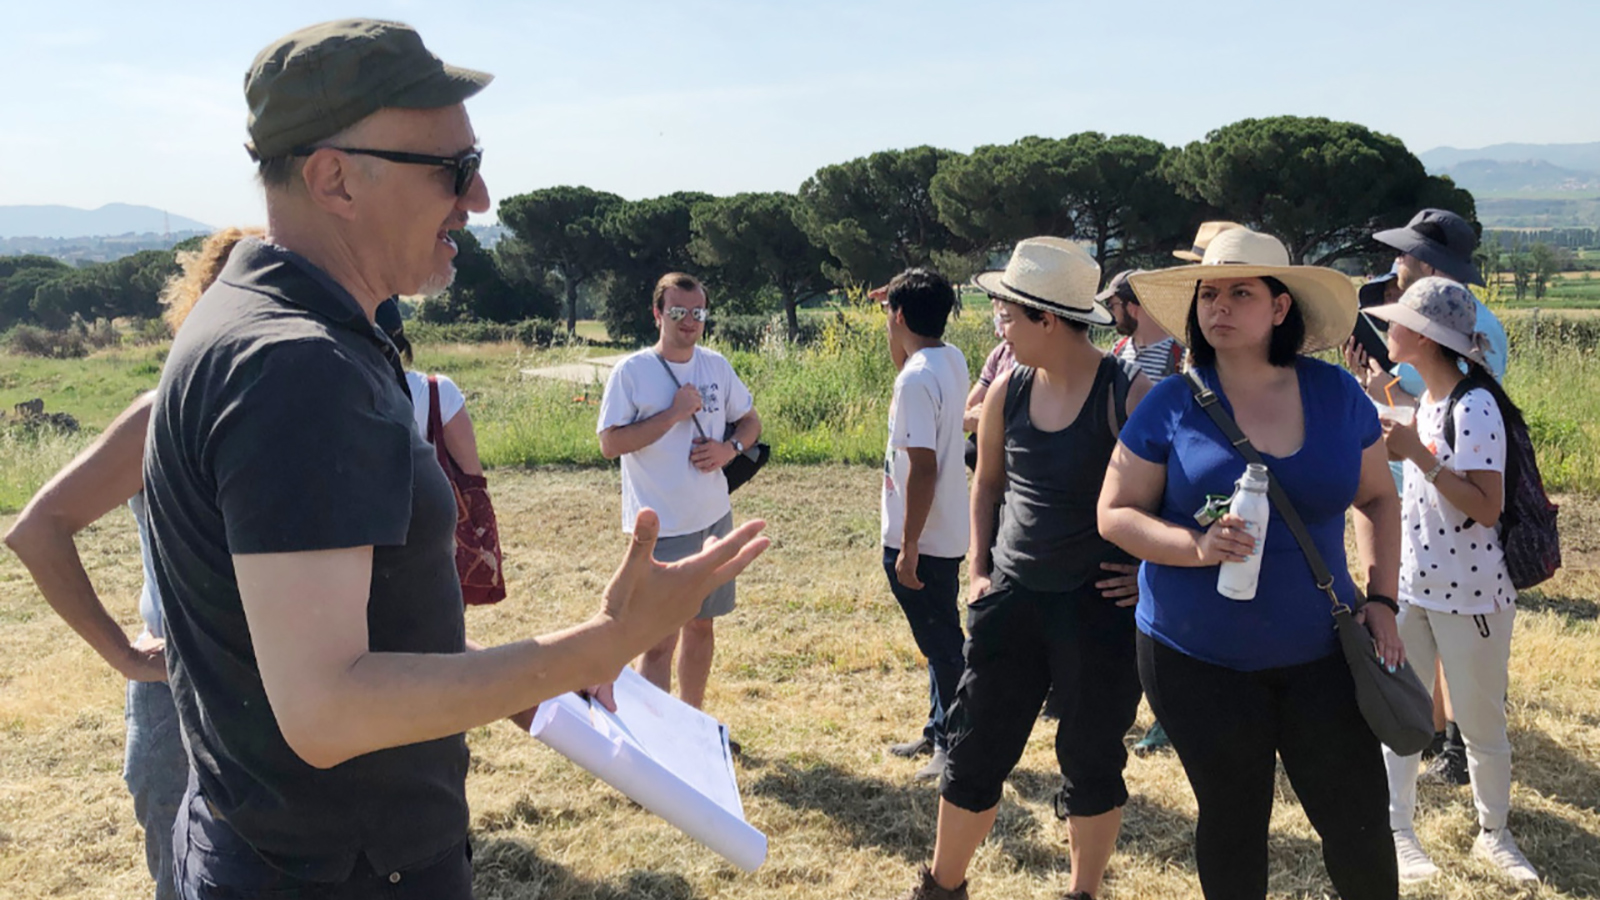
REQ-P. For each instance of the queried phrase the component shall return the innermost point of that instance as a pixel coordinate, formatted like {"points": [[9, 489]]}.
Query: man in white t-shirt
{"points": [[925, 511], [676, 414]]}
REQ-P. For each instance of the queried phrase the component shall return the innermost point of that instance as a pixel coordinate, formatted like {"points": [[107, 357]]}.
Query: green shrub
{"points": [[750, 332], [529, 332], [31, 340]]}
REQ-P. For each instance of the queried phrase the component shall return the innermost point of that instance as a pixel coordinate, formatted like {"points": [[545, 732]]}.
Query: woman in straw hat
{"points": [[1457, 603], [1238, 684], [1051, 600]]}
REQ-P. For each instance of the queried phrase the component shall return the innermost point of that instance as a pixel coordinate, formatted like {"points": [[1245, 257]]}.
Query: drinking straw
{"points": [[1386, 392]]}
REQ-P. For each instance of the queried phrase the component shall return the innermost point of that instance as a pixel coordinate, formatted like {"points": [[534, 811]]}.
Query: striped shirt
{"points": [[1156, 361]]}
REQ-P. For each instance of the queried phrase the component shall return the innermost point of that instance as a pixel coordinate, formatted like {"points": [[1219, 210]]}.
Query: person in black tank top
{"points": [[1051, 601]]}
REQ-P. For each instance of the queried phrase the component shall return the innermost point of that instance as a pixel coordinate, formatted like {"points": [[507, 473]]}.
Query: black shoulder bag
{"points": [[743, 466], [1398, 709]]}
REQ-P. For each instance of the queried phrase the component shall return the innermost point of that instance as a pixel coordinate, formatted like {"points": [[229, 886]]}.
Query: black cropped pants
{"points": [[1020, 644]]}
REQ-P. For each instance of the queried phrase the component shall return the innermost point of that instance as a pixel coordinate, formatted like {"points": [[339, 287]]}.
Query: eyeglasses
{"points": [[465, 164], [699, 313]]}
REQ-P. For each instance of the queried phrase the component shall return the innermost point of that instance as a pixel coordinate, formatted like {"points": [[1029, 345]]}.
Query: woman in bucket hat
{"points": [[1457, 603], [1051, 602], [1240, 684]]}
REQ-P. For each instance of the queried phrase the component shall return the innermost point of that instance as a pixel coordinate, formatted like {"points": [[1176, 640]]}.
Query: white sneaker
{"points": [[1414, 863], [1499, 849]]}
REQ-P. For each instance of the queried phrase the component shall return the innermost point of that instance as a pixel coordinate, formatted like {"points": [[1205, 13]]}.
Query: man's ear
{"points": [[327, 176]]}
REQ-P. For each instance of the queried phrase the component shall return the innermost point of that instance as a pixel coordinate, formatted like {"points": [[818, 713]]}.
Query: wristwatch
{"points": [[738, 446], [1432, 474]]}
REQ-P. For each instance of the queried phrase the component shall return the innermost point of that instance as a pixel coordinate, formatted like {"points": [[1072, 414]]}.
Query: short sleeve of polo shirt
{"points": [[1149, 431], [306, 457]]}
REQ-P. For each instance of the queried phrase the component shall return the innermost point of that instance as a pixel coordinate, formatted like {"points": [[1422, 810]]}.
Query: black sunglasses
{"points": [[465, 164]]}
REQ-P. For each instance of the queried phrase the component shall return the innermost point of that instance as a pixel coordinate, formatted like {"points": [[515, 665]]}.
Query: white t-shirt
{"points": [[1445, 564], [450, 399], [929, 395], [660, 476]]}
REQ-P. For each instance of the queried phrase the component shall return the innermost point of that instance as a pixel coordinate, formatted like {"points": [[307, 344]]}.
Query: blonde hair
{"points": [[199, 268]]}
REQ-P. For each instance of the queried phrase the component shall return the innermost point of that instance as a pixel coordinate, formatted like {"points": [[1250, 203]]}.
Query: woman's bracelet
{"points": [[1381, 600]]}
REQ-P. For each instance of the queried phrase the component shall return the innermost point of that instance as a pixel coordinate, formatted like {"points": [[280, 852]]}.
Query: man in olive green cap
{"points": [[302, 531]]}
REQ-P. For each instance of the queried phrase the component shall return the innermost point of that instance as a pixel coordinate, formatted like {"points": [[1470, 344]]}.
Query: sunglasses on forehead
{"points": [[678, 313], [464, 164]]}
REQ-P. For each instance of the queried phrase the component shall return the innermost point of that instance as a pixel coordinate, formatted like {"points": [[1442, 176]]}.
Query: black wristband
{"points": [[1381, 600]]}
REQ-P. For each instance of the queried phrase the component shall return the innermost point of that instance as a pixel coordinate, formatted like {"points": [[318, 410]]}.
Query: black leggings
{"points": [[1023, 643], [1228, 726]]}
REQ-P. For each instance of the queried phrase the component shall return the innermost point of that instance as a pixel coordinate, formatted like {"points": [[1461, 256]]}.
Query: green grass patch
{"points": [[92, 389], [824, 402]]}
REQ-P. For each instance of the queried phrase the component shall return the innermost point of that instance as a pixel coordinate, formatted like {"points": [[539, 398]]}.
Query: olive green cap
{"points": [[318, 81]]}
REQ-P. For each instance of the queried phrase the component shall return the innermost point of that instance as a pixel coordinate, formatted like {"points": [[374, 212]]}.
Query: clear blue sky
{"points": [[143, 103]]}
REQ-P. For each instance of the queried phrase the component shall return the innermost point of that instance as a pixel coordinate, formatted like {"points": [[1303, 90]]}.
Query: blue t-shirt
{"points": [[1289, 620]]}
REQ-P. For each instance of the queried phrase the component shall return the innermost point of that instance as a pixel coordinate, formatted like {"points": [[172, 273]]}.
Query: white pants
{"points": [[1475, 651]]}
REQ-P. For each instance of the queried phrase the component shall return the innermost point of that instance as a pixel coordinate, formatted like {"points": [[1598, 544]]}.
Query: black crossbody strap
{"points": [[679, 385], [1212, 404]]}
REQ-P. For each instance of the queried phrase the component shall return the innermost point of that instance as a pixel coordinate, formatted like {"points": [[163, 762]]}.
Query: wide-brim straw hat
{"points": [[1441, 310], [1050, 274], [1203, 237], [1326, 298]]}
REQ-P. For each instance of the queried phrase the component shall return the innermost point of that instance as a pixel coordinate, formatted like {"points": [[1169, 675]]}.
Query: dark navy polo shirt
{"points": [[282, 424]]}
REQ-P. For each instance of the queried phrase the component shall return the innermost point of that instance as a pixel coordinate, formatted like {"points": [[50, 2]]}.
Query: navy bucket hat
{"points": [[1440, 238]]}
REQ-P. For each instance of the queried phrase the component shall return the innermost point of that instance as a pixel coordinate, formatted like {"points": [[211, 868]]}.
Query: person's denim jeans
{"points": [[936, 627], [156, 771]]}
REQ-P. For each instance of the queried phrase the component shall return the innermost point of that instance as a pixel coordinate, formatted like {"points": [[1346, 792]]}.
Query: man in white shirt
{"points": [[925, 509], [676, 414]]}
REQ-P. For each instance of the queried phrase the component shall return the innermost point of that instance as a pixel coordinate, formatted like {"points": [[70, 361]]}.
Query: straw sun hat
{"points": [[1051, 274], [1325, 298], [1202, 239]]}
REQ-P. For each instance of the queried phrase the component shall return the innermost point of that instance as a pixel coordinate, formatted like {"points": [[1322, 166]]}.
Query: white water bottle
{"points": [[1237, 580]]}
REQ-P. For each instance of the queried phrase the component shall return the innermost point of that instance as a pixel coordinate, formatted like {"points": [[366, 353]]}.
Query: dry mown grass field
{"points": [[816, 674]]}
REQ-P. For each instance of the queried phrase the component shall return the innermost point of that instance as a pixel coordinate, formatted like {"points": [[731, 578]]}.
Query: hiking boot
{"points": [[1449, 767], [1155, 739], [934, 768], [1413, 861], [928, 889], [922, 746], [1499, 849]]}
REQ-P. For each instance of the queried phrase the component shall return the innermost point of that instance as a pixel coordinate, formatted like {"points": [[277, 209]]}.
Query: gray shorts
{"points": [[680, 546]]}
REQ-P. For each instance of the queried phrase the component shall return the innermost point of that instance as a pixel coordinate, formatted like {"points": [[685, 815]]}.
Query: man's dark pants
{"points": [[936, 626], [212, 862]]}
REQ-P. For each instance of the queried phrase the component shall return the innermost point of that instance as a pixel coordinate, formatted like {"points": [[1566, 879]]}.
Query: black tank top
{"points": [[1048, 538]]}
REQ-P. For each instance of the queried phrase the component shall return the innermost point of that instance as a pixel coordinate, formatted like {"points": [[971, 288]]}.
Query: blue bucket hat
{"points": [[1440, 238]]}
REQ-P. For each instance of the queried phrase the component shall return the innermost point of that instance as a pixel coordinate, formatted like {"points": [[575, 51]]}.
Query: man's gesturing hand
{"points": [[649, 600]]}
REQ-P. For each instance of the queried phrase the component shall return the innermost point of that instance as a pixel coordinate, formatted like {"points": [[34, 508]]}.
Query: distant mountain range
{"points": [[1527, 171], [1583, 157], [108, 220]]}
